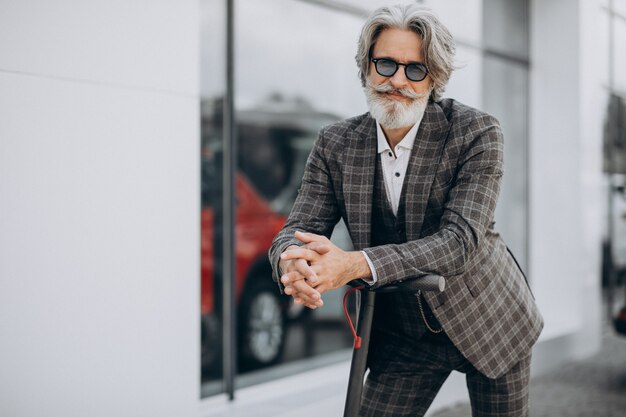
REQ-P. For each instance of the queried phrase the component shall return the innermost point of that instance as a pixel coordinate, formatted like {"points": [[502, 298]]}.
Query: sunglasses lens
{"points": [[416, 72], [386, 67]]}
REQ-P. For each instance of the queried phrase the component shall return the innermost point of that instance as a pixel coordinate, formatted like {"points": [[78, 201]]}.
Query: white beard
{"points": [[393, 114]]}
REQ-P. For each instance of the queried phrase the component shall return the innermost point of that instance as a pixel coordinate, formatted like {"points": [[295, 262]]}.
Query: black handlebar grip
{"points": [[435, 283]]}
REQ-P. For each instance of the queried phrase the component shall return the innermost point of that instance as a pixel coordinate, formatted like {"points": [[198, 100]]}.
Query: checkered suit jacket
{"points": [[450, 194]]}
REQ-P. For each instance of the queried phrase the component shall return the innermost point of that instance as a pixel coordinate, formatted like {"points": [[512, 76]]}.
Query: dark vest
{"points": [[395, 314]]}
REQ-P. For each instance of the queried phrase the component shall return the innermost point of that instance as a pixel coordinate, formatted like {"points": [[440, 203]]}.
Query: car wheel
{"points": [[296, 312], [261, 325]]}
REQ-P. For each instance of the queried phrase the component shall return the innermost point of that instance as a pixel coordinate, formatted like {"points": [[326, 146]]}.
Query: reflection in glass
{"points": [[211, 238], [285, 92], [619, 54], [274, 140], [287, 88], [619, 6], [212, 81], [506, 26], [466, 83], [506, 97], [462, 17], [298, 51]]}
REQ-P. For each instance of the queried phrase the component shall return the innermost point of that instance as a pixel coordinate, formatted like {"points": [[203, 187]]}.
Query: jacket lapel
{"points": [[358, 180], [359, 159], [425, 157]]}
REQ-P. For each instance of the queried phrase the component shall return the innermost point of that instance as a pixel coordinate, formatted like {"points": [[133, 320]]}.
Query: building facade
{"points": [[141, 179]]}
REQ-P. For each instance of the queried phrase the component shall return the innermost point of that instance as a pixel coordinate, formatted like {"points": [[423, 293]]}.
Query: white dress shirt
{"points": [[394, 165]]}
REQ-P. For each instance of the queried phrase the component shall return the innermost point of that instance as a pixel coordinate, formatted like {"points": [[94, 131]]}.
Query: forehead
{"points": [[399, 44]]}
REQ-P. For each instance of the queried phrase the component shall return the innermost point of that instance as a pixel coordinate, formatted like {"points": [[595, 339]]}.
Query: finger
{"points": [[319, 247], [289, 290], [309, 295], [301, 289], [310, 237], [296, 270], [290, 277], [307, 271], [301, 271], [300, 253], [310, 305], [300, 301]]}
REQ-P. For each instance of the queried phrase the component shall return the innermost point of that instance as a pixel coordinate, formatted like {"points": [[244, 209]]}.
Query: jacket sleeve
{"points": [[467, 213], [315, 209]]}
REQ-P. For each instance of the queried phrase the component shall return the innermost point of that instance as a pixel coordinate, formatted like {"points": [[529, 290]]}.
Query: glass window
{"points": [[619, 6], [466, 82], [287, 88], [619, 54], [315, 67], [462, 17], [212, 81], [507, 25], [505, 96]]}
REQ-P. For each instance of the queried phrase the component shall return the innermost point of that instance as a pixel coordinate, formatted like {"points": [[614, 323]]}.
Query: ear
{"points": [[431, 85]]}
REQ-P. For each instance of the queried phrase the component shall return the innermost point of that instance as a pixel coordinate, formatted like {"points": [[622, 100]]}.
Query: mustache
{"points": [[388, 88]]}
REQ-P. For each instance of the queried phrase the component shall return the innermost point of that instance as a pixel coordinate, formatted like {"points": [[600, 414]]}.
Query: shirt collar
{"points": [[406, 142]]}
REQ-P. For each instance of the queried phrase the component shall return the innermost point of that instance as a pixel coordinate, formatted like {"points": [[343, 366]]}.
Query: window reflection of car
{"points": [[615, 254], [261, 309], [273, 143]]}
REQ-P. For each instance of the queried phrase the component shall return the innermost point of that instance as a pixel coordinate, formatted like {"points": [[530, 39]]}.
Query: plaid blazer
{"points": [[449, 194]]}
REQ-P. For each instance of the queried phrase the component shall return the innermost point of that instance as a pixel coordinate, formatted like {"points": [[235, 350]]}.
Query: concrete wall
{"points": [[569, 67], [99, 208]]}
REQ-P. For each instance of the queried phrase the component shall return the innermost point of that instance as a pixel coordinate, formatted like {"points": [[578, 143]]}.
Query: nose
{"points": [[399, 80]]}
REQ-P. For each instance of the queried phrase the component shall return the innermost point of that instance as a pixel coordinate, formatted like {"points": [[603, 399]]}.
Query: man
{"points": [[416, 181]]}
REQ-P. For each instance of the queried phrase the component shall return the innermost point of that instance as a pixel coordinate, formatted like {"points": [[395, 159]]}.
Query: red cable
{"points": [[357, 339]]}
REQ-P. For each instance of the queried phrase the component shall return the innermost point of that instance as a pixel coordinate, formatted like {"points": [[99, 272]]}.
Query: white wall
{"points": [[99, 208], [594, 70], [568, 96], [555, 215], [567, 66]]}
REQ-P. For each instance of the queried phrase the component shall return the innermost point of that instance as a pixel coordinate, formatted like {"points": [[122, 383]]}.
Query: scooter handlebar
{"points": [[429, 282]]}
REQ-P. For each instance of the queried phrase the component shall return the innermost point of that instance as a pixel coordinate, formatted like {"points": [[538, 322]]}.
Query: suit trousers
{"points": [[405, 376]]}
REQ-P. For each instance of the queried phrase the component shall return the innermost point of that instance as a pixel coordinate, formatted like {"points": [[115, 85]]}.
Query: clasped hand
{"points": [[316, 267]]}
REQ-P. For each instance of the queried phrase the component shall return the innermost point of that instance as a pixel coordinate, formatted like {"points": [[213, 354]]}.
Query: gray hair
{"points": [[437, 42]]}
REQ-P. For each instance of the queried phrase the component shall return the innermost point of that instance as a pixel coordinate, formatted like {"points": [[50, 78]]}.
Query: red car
{"points": [[261, 309], [620, 322]]}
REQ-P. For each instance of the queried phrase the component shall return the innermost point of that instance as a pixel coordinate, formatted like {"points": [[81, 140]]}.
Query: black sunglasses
{"points": [[387, 67]]}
